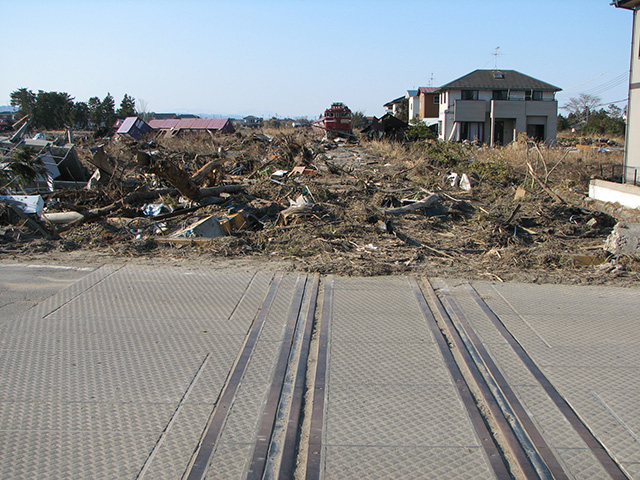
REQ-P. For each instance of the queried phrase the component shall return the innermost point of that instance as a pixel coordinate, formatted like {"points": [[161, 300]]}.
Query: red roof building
{"points": [[222, 125]]}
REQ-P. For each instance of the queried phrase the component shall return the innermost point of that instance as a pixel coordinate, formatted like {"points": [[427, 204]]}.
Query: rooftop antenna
{"points": [[496, 54], [431, 80]]}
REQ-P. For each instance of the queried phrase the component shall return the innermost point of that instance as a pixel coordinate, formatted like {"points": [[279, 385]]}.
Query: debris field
{"points": [[351, 207]]}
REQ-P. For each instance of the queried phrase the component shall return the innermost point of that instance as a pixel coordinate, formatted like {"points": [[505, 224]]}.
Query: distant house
{"points": [[394, 107], [413, 101], [175, 126], [494, 106], [252, 121], [632, 143]]}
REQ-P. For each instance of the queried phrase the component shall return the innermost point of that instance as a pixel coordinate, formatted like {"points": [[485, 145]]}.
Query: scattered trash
{"points": [[26, 203], [302, 170], [155, 209], [208, 227]]}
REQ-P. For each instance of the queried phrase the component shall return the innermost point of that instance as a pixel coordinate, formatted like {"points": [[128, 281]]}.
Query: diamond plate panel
{"points": [[624, 405], [262, 363], [581, 463], [377, 310], [382, 415], [160, 293], [511, 366], [386, 363], [172, 455], [273, 329], [23, 286], [392, 463], [583, 355], [632, 469], [55, 455], [96, 375], [67, 295], [208, 385], [229, 462], [555, 428], [243, 417], [77, 416], [594, 355]]}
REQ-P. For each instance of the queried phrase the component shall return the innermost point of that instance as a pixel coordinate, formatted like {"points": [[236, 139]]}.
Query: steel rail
{"points": [[292, 434], [542, 457], [268, 418], [314, 454], [430, 304], [208, 441], [599, 451]]}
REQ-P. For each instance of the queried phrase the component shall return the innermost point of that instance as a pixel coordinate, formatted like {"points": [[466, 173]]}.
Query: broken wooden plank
{"points": [[426, 203]]}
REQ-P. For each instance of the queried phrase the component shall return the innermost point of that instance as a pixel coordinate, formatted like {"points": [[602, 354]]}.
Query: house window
{"points": [[469, 94], [436, 99], [535, 95], [501, 95], [472, 131]]}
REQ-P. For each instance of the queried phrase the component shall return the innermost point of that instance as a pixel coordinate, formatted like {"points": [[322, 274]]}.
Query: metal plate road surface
{"points": [[193, 372]]}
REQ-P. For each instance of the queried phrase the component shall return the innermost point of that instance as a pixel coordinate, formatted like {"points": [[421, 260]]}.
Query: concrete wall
{"points": [[626, 195]]}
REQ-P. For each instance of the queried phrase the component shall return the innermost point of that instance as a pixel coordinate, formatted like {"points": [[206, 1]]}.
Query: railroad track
{"points": [[285, 446]]}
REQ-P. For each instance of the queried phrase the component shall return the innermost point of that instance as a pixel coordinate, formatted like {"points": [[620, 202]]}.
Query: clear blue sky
{"points": [[293, 58]]}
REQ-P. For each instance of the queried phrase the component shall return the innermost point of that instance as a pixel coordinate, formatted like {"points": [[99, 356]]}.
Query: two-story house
{"points": [[494, 106]]}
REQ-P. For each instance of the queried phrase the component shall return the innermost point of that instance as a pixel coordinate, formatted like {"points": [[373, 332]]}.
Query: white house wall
{"points": [[632, 155], [414, 107]]}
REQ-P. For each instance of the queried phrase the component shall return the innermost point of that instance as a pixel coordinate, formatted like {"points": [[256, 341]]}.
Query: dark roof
{"points": [[427, 89], [489, 80], [630, 4]]}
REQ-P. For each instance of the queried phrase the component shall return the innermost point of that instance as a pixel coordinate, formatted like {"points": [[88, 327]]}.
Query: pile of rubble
{"points": [[368, 208]]}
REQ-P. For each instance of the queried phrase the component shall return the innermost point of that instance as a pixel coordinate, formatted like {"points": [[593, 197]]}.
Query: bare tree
{"points": [[143, 109], [582, 106]]}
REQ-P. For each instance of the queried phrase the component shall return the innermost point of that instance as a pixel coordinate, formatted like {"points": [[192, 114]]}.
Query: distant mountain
{"points": [[8, 108]]}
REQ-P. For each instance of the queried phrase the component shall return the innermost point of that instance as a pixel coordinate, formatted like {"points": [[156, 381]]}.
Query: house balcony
{"points": [[470, 110]]}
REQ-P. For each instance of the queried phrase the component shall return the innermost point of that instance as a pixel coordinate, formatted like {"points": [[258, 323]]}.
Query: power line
{"points": [[611, 84], [588, 81]]}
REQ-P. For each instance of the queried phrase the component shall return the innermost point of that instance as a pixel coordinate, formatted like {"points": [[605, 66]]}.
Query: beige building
{"points": [[494, 106], [632, 143]]}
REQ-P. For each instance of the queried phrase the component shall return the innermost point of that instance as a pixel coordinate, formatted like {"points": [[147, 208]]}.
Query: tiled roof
{"points": [[497, 80]]}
